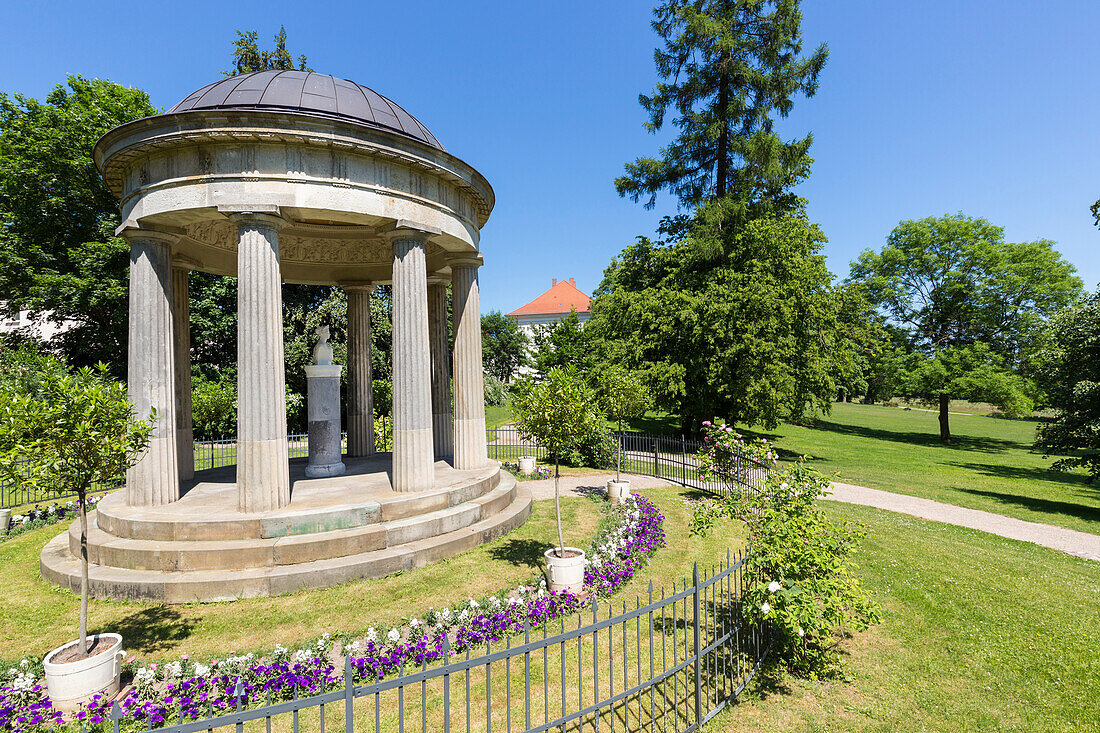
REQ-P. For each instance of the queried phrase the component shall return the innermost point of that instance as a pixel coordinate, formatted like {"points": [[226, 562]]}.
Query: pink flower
{"points": [[153, 665], [184, 656], [707, 423]]}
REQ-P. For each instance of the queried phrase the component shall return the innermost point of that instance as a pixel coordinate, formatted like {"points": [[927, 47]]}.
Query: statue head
{"points": [[322, 352]]}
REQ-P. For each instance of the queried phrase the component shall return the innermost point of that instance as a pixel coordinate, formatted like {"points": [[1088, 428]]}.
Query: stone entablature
{"points": [[183, 171]]}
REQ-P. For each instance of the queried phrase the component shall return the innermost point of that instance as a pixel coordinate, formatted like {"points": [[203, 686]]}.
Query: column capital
{"points": [[132, 231], [465, 259], [438, 279], [356, 284], [183, 262], [405, 229], [268, 214]]}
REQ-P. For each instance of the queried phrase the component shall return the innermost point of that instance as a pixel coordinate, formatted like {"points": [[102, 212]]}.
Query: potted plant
{"points": [[554, 412], [622, 396], [69, 431]]}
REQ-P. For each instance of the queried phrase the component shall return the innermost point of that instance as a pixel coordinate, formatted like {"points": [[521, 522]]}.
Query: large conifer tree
{"points": [[728, 68]]}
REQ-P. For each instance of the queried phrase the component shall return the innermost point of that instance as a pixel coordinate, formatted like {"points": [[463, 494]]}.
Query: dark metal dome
{"points": [[309, 93]]}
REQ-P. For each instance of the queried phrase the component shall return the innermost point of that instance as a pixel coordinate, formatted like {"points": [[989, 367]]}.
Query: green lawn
{"points": [[36, 616], [979, 633], [990, 464]]}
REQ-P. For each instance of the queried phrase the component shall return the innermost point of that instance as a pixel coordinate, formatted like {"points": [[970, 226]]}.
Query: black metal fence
{"points": [[675, 459], [216, 453], [670, 663]]}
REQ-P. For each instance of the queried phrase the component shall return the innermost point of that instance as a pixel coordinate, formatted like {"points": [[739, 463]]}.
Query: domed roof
{"points": [[308, 93]]}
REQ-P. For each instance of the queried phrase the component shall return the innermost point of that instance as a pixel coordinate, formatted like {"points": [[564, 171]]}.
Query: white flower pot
{"points": [[618, 491], [73, 683], [5, 520], [565, 573], [527, 465]]}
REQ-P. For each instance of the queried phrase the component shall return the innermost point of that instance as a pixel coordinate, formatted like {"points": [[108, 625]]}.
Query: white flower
{"points": [[445, 613], [371, 634], [513, 601], [494, 601], [280, 651], [24, 682], [201, 670], [352, 648], [25, 663], [174, 669], [415, 623], [145, 676], [765, 608], [301, 656], [801, 632], [474, 604], [394, 635], [774, 586], [464, 615]]}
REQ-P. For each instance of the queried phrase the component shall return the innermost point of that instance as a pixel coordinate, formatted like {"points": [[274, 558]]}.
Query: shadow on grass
{"points": [[931, 440], [153, 629], [1020, 473], [1046, 506], [520, 552]]}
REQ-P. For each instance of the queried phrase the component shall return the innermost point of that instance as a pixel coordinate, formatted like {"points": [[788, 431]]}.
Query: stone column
{"points": [[360, 396], [469, 389], [151, 368], [181, 319], [263, 470], [413, 461], [442, 415]]}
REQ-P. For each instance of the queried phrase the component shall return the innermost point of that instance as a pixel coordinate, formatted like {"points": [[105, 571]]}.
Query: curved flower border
{"points": [[627, 537]]}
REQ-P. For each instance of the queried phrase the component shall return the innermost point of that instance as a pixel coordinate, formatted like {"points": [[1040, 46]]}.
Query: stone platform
{"points": [[335, 529]]}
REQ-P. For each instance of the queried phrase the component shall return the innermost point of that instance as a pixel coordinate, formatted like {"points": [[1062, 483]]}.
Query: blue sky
{"points": [[989, 108]]}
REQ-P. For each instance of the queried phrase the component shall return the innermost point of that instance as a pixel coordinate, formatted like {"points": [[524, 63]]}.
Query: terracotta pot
{"points": [[73, 683], [565, 573]]}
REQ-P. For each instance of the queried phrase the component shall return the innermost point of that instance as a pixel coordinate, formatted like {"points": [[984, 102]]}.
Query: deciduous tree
{"points": [[504, 345], [970, 303]]}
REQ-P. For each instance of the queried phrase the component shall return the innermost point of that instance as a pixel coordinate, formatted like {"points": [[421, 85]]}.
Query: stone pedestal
{"points": [[151, 369], [323, 397]]}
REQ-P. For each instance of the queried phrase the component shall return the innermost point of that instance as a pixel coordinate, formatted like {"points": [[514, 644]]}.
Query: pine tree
{"points": [[727, 69]]}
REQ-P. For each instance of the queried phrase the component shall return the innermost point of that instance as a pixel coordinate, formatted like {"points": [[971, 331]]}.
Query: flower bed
{"points": [[540, 473], [43, 516], [626, 538]]}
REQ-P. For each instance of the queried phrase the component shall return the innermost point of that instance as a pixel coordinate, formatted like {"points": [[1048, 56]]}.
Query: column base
{"points": [[154, 480], [470, 450], [413, 464], [263, 475], [331, 469], [186, 453]]}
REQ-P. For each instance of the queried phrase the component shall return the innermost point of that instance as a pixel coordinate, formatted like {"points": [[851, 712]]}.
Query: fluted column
{"points": [[469, 385], [442, 415], [263, 470], [360, 397], [181, 319], [412, 407], [151, 368]]}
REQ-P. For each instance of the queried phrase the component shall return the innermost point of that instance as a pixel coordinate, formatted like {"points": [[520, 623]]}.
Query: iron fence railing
{"points": [[216, 453], [670, 663], [675, 459]]}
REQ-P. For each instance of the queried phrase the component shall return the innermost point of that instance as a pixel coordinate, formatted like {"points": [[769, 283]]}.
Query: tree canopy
{"points": [[58, 252], [504, 345], [727, 69], [970, 304], [248, 57], [1070, 375]]}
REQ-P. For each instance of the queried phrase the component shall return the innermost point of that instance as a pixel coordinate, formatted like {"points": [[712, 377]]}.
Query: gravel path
{"points": [[1072, 542]]}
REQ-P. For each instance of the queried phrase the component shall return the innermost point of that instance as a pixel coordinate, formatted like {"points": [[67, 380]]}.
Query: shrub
{"points": [[799, 572], [213, 407], [496, 393]]}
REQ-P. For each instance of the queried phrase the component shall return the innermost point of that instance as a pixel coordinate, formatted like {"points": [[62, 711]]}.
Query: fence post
{"points": [[238, 692], [656, 464], [698, 661], [349, 693]]}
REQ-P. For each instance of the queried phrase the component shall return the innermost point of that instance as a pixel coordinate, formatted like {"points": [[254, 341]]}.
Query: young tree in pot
{"points": [[553, 413], [65, 432], [622, 395]]}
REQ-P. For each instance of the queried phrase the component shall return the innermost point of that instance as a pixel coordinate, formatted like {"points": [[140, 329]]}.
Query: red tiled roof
{"points": [[562, 297]]}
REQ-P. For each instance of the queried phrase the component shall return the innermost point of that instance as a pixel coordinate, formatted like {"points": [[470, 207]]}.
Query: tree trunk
{"points": [[557, 506], [619, 452], [83, 572], [722, 172], [945, 427]]}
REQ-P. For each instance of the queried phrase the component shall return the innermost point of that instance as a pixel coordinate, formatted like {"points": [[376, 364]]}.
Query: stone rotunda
{"points": [[290, 176]]}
